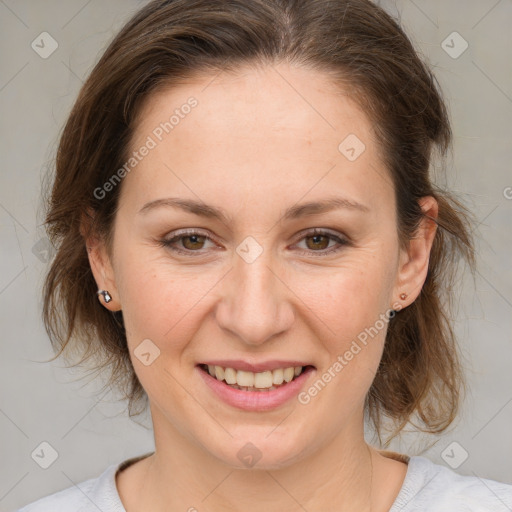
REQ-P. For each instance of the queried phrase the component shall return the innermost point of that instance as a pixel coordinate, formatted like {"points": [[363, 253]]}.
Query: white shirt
{"points": [[427, 487]]}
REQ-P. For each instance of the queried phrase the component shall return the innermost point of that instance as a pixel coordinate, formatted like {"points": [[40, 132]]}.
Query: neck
{"points": [[340, 472]]}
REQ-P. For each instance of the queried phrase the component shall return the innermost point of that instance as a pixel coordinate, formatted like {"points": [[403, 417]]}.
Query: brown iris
{"points": [[197, 240], [319, 244]]}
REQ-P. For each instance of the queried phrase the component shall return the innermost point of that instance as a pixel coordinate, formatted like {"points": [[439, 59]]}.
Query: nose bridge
{"points": [[254, 307]]}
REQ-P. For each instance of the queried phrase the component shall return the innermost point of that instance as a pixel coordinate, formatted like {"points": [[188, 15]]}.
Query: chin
{"points": [[260, 449]]}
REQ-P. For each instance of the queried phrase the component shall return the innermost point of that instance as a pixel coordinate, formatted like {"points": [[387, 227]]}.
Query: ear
{"points": [[413, 266], [100, 263]]}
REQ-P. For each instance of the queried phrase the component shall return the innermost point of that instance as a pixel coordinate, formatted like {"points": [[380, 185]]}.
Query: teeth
{"points": [[278, 376], [219, 372], [243, 378], [263, 380], [230, 376], [289, 373], [249, 381]]}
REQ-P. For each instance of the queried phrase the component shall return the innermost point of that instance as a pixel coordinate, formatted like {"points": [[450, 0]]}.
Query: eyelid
{"points": [[191, 231], [319, 231]]}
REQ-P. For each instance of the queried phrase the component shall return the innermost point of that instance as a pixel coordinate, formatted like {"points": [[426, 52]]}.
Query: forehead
{"points": [[260, 129], [279, 98]]}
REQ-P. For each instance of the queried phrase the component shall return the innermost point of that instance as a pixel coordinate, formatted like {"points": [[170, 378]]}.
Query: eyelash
{"points": [[167, 243]]}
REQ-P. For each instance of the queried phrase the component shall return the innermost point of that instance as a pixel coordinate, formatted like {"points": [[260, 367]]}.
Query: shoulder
{"points": [[89, 495], [433, 487]]}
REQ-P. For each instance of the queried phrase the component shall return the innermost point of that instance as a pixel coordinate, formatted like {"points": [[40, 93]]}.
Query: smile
{"points": [[251, 381], [255, 391]]}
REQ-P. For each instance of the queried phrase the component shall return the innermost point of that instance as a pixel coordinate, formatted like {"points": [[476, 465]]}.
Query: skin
{"points": [[254, 147]]}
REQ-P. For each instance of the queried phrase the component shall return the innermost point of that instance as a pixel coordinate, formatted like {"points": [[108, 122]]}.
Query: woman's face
{"points": [[266, 156]]}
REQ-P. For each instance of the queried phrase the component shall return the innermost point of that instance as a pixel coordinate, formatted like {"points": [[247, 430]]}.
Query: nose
{"points": [[256, 304]]}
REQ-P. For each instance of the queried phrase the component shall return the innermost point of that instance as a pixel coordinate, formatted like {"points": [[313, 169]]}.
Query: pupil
{"points": [[317, 241], [193, 239]]}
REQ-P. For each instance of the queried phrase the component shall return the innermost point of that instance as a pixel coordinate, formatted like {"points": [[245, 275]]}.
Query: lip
{"points": [[263, 366], [256, 400]]}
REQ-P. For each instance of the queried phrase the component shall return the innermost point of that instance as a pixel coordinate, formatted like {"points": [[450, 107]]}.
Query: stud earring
{"points": [[106, 296], [403, 296]]}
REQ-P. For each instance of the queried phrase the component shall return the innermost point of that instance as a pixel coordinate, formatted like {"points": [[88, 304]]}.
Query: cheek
{"points": [[351, 307], [158, 305], [348, 297], [351, 330], [163, 302], [163, 308]]}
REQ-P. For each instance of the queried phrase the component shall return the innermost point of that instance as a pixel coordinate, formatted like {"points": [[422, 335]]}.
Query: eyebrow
{"points": [[294, 212]]}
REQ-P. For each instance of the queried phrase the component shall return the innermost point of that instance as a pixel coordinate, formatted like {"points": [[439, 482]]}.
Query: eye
{"points": [[191, 241], [317, 241]]}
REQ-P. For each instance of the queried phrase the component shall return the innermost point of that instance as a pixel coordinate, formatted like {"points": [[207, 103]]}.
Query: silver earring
{"points": [[106, 296]]}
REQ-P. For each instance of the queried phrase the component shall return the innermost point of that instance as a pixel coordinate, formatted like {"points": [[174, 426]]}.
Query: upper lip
{"points": [[255, 367]]}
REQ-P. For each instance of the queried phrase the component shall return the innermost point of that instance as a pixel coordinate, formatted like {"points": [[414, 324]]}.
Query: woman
{"points": [[250, 239]]}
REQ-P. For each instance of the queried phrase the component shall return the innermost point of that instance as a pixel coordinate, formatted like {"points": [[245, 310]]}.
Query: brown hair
{"points": [[367, 53]]}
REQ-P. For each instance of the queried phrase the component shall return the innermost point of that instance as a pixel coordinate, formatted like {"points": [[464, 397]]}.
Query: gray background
{"points": [[45, 402]]}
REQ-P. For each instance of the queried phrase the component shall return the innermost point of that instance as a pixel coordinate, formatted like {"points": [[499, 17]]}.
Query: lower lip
{"points": [[256, 400]]}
